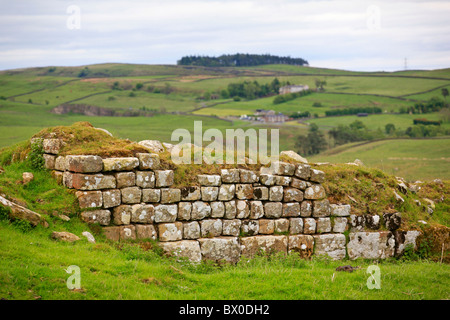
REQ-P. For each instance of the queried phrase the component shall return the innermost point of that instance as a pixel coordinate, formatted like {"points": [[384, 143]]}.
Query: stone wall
{"points": [[225, 216]]}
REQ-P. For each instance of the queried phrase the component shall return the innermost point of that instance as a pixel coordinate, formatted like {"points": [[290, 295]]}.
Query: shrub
{"points": [[36, 156]]}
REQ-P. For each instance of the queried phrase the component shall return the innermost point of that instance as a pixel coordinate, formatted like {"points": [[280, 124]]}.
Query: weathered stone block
{"points": [[120, 164], [145, 179], [217, 209], [91, 181], [211, 228], [281, 225], [298, 184], [267, 179], [291, 209], [273, 209], [81, 164], [220, 249], [226, 192], [151, 195], [58, 176], [131, 195], [68, 179], [372, 221], [371, 245], [146, 231], [148, 161], [248, 176], [331, 245], [309, 226], [60, 164], [103, 217], [317, 176], [303, 171], [209, 193], [52, 145], [230, 176], [191, 230], [184, 210], [89, 199], [323, 225], [244, 191], [112, 233], [166, 213], [260, 193], [340, 210], [122, 215], [301, 244], [256, 210], [306, 209], [49, 161], [190, 193], [276, 193], [293, 155], [339, 224], [252, 246], [185, 249], [250, 227], [170, 231], [164, 178], [266, 226], [200, 210], [208, 180], [357, 223], [230, 209], [125, 179], [127, 232], [283, 168], [321, 208], [111, 198], [242, 209], [315, 192], [169, 195], [292, 194], [282, 181], [392, 221], [295, 225], [231, 227], [404, 239], [142, 213]]}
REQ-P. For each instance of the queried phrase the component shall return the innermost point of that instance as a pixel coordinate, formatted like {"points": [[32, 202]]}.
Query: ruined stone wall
{"points": [[222, 217]]}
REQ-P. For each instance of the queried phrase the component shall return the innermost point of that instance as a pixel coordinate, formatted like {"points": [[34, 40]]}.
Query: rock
{"points": [[22, 213], [282, 180], [303, 171], [249, 227], [330, 245], [392, 221], [281, 225], [226, 192], [191, 193], [220, 249], [323, 225], [247, 176], [148, 161], [357, 223], [49, 161], [230, 176], [211, 228], [164, 178], [340, 210], [52, 145], [266, 226], [315, 192], [186, 249], [90, 238], [398, 198], [184, 211], [260, 193], [131, 195], [146, 231], [298, 184], [372, 221], [120, 164], [151, 195], [370, 245], [273, 209], [111, 198], [102, 217], [283, 168], [122, 214], [145, 179], [209, 193], [191, 230], [244, 191], [430, 203], [358, 162], [170, 231], [89, 199], [200, 210], [404, 239], [321, 208], [112, 233], [169, 195], [60, 163], [402, 187], [89, 181], [142, 213], [152, 145], [64, 236], [242, 209], [231, 227], [267, 179], [230, 210], [27, 177], [105, 131], [127, 232], [252, 246], [209, 180], [81, 164], [293, 155], [339, 224], [125, 179], [276, 193], [166, 213], [306, 209], [291, 209], [309, 226], [292, 194], [295, 225], [301, 244], [217, 209], [317, 176], [256, 210]]}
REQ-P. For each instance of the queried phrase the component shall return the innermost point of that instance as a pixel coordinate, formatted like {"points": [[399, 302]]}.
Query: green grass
{"points": [[410, 159]]}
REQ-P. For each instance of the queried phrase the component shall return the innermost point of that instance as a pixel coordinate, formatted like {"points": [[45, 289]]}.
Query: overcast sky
{"points": [[347, 34]]}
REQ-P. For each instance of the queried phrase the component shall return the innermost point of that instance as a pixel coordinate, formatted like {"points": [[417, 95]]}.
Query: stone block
{"points": [[142, 213], [321, 208], [230, 209], [276, 193], [309, 225], [169, 195], [283, 181], [208, 180], [267, 179], [392, 221], [231, 227], [200, 210], [315, 192], [256, 210], [252, 246], [127, 232], [292, 194], [248, 176], [151, 195], [302, 245], [249, 227], [89, 199], [211, 228], [273, 209], [148, 161], [52, 145], [317, 176], [58, 176], [146, 231], [323, 225], [122, 214], [131, 195], [145, 179], [184, 210], [306, 209], [283, 168], [298, 184], [372, 221], [244, 191], [125, 179], [191, 230], [330, 245], [357, 223], [91, 181], [230, 175], [120, 164], [339, 224], [209, 193], [340, 210], [220, 249], [166, 213], [291, 209], [295, 225], [164, 178], [60, 164], [102, 217], [111, 198], [260, 193], [266, 226], [112, 233], [404, 239], [371, 245], [217, 209], [189, 249], [190, 193], [170, 231], [49, 161], [293, 155], [303, 171], [242, 209], [226, 192], [81, 164], [281, 225]]}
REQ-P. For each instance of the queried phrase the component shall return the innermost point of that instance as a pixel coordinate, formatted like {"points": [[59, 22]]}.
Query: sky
{"points": [[347, 34]]}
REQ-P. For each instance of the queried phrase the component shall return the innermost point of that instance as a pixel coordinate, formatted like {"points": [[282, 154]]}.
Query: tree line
{"points": [[239, 60]]}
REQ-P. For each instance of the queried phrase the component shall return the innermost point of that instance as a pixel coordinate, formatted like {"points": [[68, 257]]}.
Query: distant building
{"points": [[275, 118], [362, 114], [293, 88]]}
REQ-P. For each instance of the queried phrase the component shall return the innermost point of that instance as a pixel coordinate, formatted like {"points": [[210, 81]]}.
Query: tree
{"points": [[313, 143], [389, 128], [444, 93], [320, 84]]}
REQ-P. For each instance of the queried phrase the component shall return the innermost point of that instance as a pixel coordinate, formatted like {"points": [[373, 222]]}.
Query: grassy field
{"points": [[411, 159]]}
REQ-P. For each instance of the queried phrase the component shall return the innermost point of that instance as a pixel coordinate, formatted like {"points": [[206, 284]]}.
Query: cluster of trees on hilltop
{"points": [[239, 60]]}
